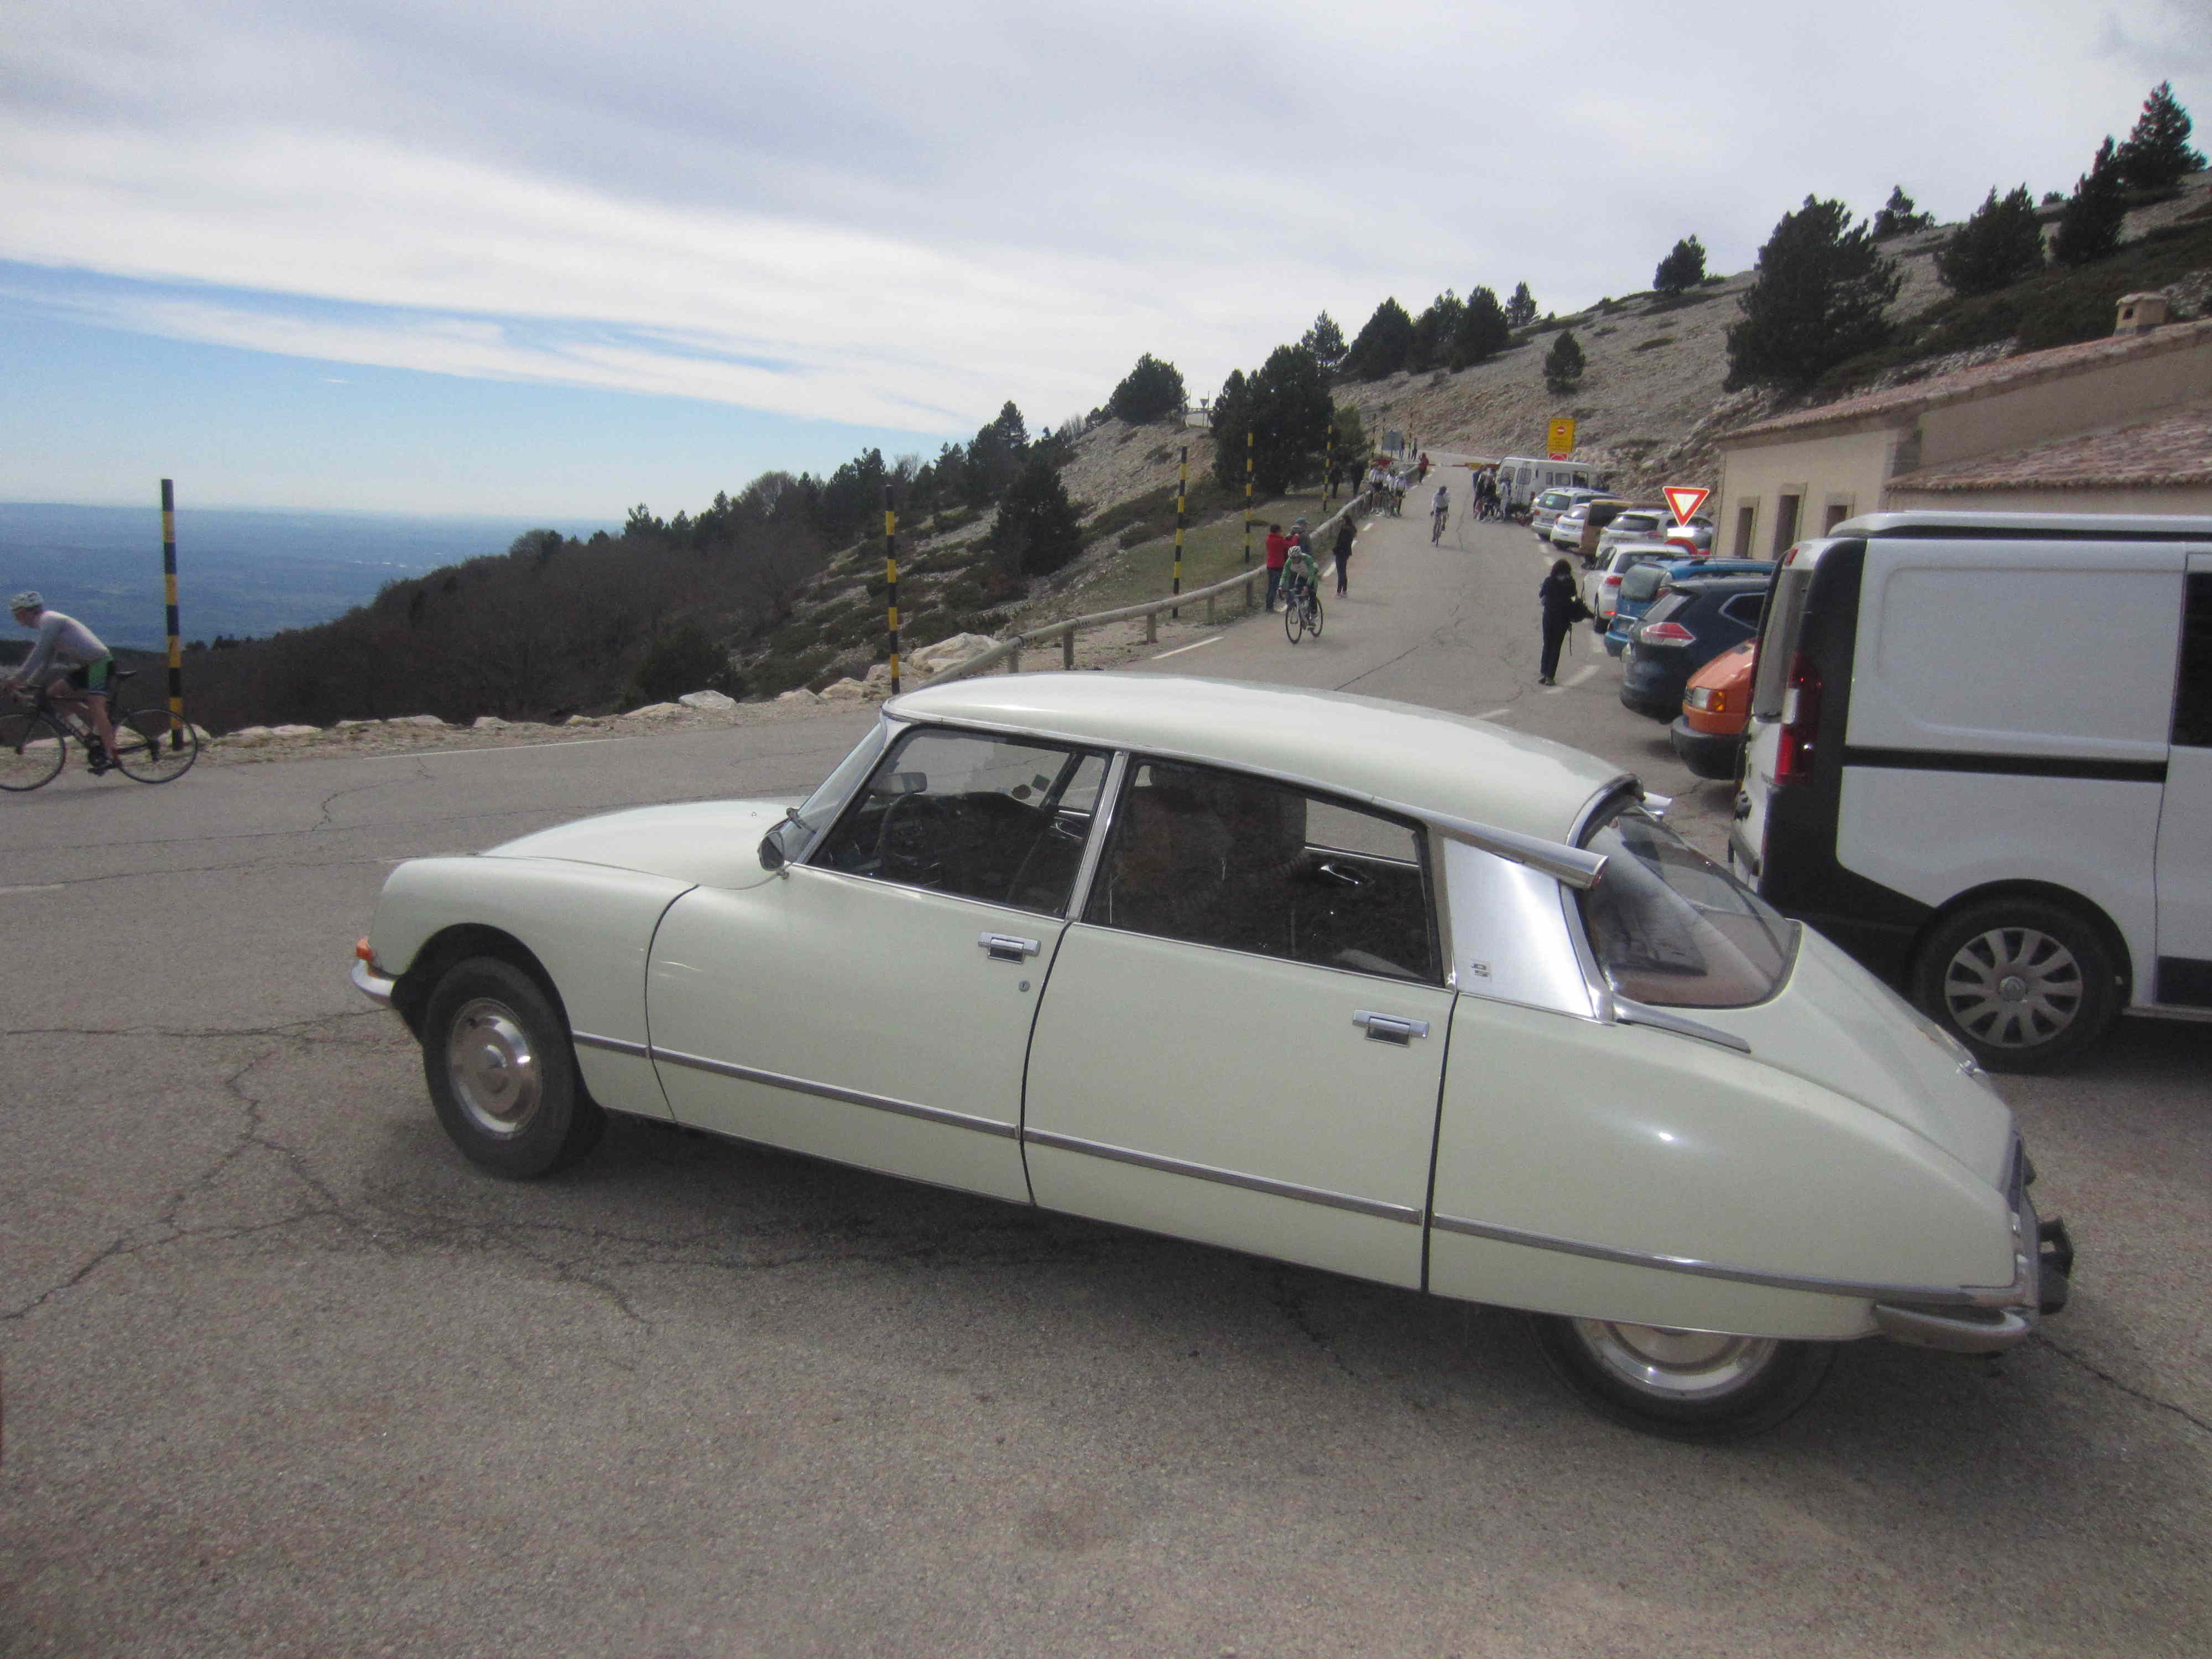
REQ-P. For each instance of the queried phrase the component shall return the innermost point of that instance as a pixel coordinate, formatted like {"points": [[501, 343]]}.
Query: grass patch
{"points": [[1654, 343], [1210, 552]]}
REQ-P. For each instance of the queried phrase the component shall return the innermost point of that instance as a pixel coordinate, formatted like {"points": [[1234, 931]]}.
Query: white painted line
{"points": [[1180, 649], [35, 887], [1577, 678], [489, 749], [1492, 713]]}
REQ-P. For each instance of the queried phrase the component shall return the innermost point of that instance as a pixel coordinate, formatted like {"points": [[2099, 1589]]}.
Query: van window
{"points": [[1672, 928], [2192, 693]]}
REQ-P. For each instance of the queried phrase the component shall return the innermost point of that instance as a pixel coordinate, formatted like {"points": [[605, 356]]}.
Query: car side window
{"points": [[998, 819], [1745, 610], [1216, 858]]}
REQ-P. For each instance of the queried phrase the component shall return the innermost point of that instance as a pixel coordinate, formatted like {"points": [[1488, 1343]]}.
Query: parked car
{"points": [[1645, 583], [1368, 987], [1601, 586], [1690, 624], [1599, 513], [1980, 757], [1551, 504], [1696, 534], [1632, 523], [1566, 531], [1708, 734]]}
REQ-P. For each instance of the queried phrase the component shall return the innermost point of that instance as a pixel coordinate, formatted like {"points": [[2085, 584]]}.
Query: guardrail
{"points": [[1009, 651]]}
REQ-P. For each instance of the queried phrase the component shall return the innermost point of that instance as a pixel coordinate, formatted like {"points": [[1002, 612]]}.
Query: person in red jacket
{"points": [[1278, 549]]}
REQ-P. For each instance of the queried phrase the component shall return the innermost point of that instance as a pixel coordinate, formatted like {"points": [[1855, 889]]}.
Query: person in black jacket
{"points": [[1343, 549], [1563, 608]]}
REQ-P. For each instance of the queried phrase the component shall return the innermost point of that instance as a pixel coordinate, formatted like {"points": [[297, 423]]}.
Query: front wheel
{"points": [[1294, 619], [1684, 1385], [2027, 984], [146, 750], [502, 1074], [31, 749]]}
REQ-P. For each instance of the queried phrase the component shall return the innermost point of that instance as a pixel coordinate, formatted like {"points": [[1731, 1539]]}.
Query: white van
{"points": [[1520, 479], [1980, 759]]}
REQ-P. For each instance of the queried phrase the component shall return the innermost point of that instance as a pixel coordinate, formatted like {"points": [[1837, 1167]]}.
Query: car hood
{"points": [[716, 844], [1835, 1024]]}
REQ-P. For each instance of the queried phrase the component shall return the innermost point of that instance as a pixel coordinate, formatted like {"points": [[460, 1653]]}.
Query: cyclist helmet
{"points": [[28, 599]]}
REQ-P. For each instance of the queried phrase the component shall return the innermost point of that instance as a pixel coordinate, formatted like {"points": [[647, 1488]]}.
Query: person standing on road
{"points": [[1342, 551], [1278, 548], [63, 643], [1563, 608]]}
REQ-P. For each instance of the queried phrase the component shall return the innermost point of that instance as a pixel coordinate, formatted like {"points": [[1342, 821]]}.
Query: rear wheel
{"points": [[146, 750], [31, 750], [1685, 1385], [2027, 984], [1313, 615], [501, 1072]]}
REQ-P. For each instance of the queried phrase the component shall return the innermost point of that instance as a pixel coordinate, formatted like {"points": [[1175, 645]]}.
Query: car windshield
{"points": [[799, 831], [1673, 929]]}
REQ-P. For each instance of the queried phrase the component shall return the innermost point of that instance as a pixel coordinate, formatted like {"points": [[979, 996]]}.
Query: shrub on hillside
{"points": [[1038, 529], [1681, 270], [1817, 296], [1563, 364], [1520, 309], [2000, 242], [1898, 216], [1152, 391], [686, 659]]}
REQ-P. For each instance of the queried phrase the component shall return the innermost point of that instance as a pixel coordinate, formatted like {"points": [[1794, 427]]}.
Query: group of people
{"points": [[1290, 557], [1489, 502], [1386, 489], [86, 667]]}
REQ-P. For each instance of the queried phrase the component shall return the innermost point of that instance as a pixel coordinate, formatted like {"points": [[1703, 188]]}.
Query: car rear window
{"points": [[1641, 583], [1673, 929]]}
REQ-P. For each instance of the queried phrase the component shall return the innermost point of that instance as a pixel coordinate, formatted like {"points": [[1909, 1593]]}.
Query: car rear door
{"points": [[1243, 1039], [2184, 823]]}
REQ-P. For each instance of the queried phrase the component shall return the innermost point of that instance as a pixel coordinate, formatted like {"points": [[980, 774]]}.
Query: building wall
{"points": [[2110, 394], [2195, 499], [1832, 477]]}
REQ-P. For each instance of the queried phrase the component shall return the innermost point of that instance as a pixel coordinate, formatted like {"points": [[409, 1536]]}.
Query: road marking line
{"points": [[1577, 678], [1492, 713], [36, 887], [489, 749], [1180, 649]]}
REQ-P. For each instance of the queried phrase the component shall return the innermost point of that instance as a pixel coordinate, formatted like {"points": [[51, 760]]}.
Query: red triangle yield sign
{"points": [[1685, 500]]}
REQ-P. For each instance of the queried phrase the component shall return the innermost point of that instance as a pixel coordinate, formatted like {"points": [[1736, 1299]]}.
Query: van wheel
{"points": [[2026, 983]]}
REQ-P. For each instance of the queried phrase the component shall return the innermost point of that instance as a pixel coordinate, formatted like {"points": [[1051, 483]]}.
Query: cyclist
{"points": [[1438, 510], [1301, 576], [65, 643]]}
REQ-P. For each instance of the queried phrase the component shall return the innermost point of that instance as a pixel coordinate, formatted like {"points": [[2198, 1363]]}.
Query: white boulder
{"points": [[845, 690], [293, 732], [488, 723], [710, 702], [801, 695], [427, 721], [655, 711]]}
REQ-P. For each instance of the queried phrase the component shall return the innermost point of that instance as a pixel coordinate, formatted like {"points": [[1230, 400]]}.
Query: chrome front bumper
{"points": [[371, 984], [2043, 1261]]}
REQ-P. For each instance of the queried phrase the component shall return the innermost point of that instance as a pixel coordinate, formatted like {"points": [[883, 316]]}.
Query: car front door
{"points": [[873, 1004], [1243, 1039]]}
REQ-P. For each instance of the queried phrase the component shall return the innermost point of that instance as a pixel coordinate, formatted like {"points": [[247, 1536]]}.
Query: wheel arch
{"points": [[2045, 892], [410, 992]]}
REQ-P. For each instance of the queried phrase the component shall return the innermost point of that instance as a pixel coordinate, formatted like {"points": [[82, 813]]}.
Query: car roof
{"points": [[1437, 764]]}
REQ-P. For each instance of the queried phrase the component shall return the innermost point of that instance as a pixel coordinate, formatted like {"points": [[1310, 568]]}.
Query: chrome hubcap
{"points": [[492, 1069], [1675, 1364], [2012, 987]]}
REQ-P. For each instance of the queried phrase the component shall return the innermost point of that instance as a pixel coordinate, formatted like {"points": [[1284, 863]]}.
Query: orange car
{"points": [[1716, 703]]}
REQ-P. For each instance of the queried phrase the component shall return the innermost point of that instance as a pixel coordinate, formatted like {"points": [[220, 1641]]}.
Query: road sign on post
{"points": [[1684, 499], [1559, 438]]}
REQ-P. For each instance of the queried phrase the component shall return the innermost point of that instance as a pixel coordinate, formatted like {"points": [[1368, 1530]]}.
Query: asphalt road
{"points": [[284, 1374]]}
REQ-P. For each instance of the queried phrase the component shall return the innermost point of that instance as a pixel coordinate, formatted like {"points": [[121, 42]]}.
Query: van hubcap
{"points": [[2013, 988]]}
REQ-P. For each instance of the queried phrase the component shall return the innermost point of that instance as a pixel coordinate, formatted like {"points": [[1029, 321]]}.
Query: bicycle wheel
{"points": [[143, 750], [32, 748], [1294, 618], [1313, 615]]}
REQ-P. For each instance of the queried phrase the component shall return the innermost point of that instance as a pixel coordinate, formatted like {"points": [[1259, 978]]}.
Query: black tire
{"points": [[501, 1072], [144, 749], [1314, 616], [1294, 619], [32, 750], [2027, 984], [1683, 1385]]}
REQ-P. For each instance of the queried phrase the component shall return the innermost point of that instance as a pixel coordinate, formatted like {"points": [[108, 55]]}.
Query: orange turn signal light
{"points": [[367, 955]]}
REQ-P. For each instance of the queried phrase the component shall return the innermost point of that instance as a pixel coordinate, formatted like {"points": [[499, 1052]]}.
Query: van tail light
{"points": [[1666, 632], [1801, 721]]}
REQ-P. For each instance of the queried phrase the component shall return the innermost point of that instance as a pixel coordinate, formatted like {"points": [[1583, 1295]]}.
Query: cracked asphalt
{"points": [[285, 1375]]}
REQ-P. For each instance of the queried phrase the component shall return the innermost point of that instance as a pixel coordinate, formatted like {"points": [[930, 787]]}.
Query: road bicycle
{"points": [[1301, 610], [1436, 525], [34, 737]]}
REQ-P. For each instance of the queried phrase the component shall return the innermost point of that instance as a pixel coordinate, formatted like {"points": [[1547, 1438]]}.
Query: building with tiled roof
{"points": [[2118, 425]]}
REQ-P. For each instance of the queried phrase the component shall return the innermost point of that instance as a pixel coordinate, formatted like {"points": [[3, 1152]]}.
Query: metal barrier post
{"points": [[890, 579], [1152, 627], [1247, 502], [1068, 649], [1183, 489], [169, 589]]}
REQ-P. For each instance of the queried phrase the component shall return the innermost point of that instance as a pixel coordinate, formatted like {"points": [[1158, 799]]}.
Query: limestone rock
{"points": [[488, 723], [249, 735], [710, 702], [352, 725], [655, 711], [845, 690], [801, 695], [289, 731], [427, 721], [936, 659]]}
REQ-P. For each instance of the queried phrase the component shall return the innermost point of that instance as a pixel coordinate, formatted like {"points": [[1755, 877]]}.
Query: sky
{"points": [[562, 257]]}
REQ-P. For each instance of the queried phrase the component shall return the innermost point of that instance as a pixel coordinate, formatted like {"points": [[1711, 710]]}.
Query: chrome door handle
{"points": [[1388, 1028], [1006, 947]]}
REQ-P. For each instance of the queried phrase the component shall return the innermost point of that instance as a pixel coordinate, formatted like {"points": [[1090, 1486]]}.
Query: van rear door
{"points": [[2184, 823]]}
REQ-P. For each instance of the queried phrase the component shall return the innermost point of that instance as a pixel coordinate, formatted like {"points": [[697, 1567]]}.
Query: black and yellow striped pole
{"points": [[1248, 503], [1182, 493], [1328, 462], [169, 589], [890, 579]]}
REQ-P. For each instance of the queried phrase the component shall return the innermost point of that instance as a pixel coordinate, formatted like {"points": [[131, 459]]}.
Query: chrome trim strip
{"points": [[831, 1092], [1370, 1206], [1101, 825], [1945, 1296], [1636, 1014], [612, 1045], [1568, 864], [373, 984]]}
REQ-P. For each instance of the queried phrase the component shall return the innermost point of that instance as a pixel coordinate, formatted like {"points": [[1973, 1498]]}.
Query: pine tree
{"points": [[1434, 330], [1520, 309], [1290, 416], [1817, 297], [2157, 152], [1381, 346], [1898, 217], [1563, 366], [1326, 341], [1232, 418], [1483, 331], [1151, 391], [1038, 529], [2000, 242], [1683, 269], [2089, 227]]}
